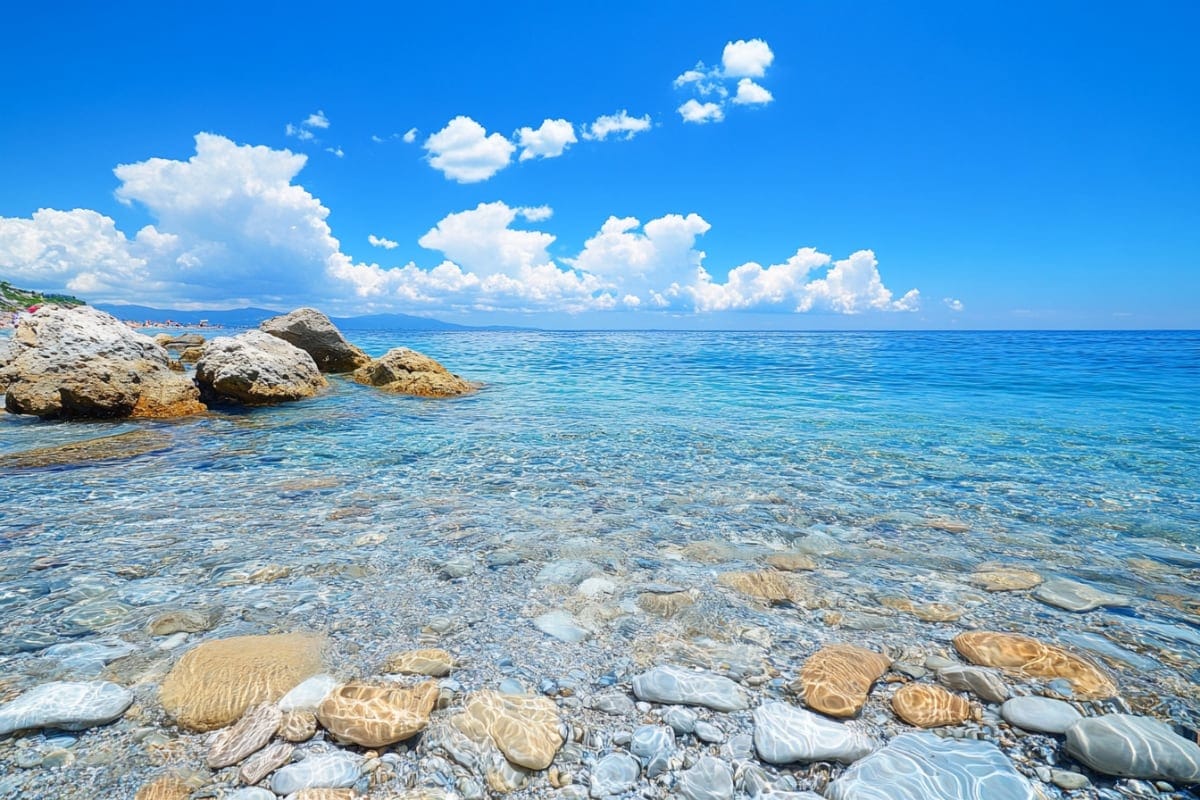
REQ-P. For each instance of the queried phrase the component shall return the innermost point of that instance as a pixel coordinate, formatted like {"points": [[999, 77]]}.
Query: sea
{"points": [[911, 460]]}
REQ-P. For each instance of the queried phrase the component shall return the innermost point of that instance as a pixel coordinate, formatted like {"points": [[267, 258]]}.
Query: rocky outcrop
{"points": [[82, 363], [315, 334], [405, 371], [255, 368]]}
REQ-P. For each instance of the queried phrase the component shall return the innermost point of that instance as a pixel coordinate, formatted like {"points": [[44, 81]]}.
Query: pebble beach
{"points": [[697, 565]]}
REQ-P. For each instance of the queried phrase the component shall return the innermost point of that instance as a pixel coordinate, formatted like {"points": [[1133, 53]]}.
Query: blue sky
{"points": [[789, 165]]}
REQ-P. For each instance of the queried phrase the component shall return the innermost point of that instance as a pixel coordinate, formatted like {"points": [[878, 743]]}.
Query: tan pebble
{"points": [[432, 662], [791, 562], [1005, 579], [525, 729], [770, 585], [1027, 657], [248, 735], [376, 715], [664, 605], [167, 787], [264, 762], [836, 679], [929, 706], [298, 726]]}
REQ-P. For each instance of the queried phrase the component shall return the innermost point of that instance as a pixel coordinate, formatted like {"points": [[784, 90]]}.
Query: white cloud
{"points": [[377, 139], [746, 59], [618, 124], [379, 241], [337, 151], [481, 240], [700, 113], [300, 133], [952, 304], [750, 93], [317, 120], [463, 151], [410, 136], [662, 253], [549, 141], [536, 213], [853, 285]]}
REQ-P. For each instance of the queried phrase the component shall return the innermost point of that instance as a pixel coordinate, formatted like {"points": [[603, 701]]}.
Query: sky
{"points": [[792, 165]]}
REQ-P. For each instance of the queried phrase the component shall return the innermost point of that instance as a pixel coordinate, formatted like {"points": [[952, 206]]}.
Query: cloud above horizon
{"points": [[232, 227], [741, 61]]}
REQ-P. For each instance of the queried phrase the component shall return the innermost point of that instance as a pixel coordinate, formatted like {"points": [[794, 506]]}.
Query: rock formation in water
{"points": [[255, 368], [315, 334]]}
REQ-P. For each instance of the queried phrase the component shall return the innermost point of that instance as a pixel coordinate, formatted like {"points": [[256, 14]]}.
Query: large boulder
{"points": [[256, 368], [406, 371], [312, 332], [80, 362]]}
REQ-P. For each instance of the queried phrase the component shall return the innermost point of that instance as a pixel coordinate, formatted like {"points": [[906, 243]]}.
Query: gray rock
{"points": [[1039, 714], [616, 703], [335, 770], [681, 720], [614, 774], [87, 657], [785, 734], [649, 741], [709, 779], [707, 732], [983, 683], [922, 766], [404, 371], [1065, 779], [676, 685], [81, 362], [561, 626], [250, 793], [1075, 596], [315, 334], [567, 572], [66, 705], [1134, 747], [308, 694], [256, 368]]}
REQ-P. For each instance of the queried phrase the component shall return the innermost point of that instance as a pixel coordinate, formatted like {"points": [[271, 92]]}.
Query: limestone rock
{"points": [[524, 728], [256, 368], [1134, 747], [677, 686], [791, 561], [246, 737], [432, 662], [785, 734], [1021, 655], [708, 779], [315, 334], [165, 787], [1075, 596], [405, 371], [336, 770], [664, 605], [1005, 579], [922, 766], [985, 684], [80, 362], [376, 715], [118, 447], [1040, 714], [188, 621], [308, 694], [214, 683], [71, 706], [929, 706], [836, 679], [298, 726], [613, 775]]}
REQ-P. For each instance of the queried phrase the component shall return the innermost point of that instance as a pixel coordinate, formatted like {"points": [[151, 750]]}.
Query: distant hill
{"points": [[251, 317], [14, 299]]}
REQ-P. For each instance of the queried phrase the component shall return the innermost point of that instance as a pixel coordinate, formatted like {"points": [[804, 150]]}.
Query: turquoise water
{"points": [[903, 461]]}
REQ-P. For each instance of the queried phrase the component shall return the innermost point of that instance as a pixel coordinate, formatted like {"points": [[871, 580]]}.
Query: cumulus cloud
{"points": [[410, 136], [746, 59], [750, 93], [317, 120], [231, 227], [463, 151], [379, 241], [700, 113], [303, 134], [952, 304], [337, 151], [619, 124], [549, 141]]}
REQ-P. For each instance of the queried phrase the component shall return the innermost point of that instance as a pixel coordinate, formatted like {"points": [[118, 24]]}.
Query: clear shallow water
{"points": [[922, 456]]}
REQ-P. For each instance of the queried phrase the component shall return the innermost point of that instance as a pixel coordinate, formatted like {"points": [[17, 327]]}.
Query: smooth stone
{"points": [[87, 657], [1134, 747], [432, 662], [308, 694], [1028, 657], [677, 686], [650, 740], [836, 679], [785, 734], [561, 626], [1065, 779], [1039, 714], [681, 720], [335, 770], [376, 715], [708, 779], [72, 706], [927, 705], [94, 615], [246, 737], [183, 620], [922, 766], [251, 793], [1074, 596], [567, 572], [265, 761], [596, 587], [527, 730], [614, 774], [985, 684], [315, 334], [616, 703], [707, 732]]}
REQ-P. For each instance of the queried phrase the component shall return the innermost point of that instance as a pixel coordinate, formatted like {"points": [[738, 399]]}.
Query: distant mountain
{"points": [[251, 317]]}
